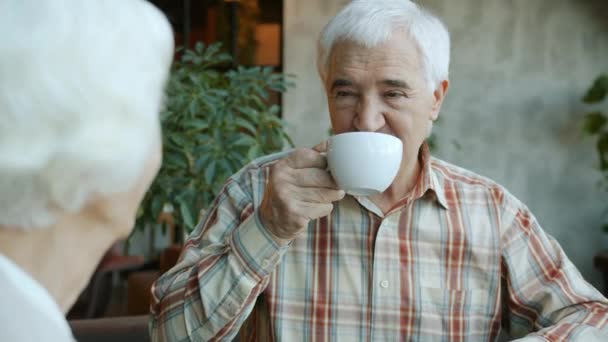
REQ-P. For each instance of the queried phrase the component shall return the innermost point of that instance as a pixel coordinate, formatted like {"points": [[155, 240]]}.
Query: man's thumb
{"points": [[321, 147]]}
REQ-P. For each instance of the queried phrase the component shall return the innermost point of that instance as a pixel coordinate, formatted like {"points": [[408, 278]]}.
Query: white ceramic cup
{"points": [[364, 163]]}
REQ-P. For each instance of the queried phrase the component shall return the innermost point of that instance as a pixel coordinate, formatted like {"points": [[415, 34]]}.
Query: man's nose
{"points": [[369, 116]]}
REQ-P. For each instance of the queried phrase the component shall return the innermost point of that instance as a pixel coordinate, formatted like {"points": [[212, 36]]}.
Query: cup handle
{"points": [[324, 154]]}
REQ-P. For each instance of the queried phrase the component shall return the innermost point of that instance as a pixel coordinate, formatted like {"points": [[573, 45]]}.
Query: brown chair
{"points": [[94, 300], [115, 329]]}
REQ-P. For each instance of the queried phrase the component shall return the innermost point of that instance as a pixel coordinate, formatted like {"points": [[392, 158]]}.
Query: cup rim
{"points": [[363, 133]]}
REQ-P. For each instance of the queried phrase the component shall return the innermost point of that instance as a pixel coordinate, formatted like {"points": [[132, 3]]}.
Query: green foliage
{"points": [[216, 120], [595, 125], [595, 122], [598, 91]]}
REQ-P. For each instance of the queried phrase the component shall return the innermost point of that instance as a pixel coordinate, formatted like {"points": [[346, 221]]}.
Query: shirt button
{"points": [[384, 284], [265, 263]]}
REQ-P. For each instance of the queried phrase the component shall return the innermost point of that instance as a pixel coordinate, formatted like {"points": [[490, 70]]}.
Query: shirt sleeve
{"points": [[547, 298], [225, 265]]}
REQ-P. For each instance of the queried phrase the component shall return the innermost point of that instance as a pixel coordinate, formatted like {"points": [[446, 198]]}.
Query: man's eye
{"points": [[344, 93], [394, 94]]}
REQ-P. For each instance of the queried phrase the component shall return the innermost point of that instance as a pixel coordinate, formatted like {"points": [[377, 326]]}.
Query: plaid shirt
{"points": [[458, 259]]}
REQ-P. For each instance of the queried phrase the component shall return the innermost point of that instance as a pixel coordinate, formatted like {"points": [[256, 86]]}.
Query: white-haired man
{"points": [[442, 255], [81, 88]]}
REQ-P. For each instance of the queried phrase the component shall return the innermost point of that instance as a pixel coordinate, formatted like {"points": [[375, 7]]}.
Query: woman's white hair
{"points": [[81, 88], [370, 23]]}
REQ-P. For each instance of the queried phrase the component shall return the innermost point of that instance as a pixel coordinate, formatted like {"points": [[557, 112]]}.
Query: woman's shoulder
{"points": [[28, 312]]}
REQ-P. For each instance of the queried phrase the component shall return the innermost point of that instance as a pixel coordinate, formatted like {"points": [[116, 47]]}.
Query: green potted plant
{"points": [[595, 124], [218, 117]]}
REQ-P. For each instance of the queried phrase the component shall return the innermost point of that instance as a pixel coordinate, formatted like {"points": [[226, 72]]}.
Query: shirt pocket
{"points": [[441, 311], [445, 300]]}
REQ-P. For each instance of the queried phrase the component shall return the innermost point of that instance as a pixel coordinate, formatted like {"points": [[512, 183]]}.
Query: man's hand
{"points": [[299, 190]]}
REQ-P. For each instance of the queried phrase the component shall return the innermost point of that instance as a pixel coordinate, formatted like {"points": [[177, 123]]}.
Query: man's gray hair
{"points": [[81, 88], [371, 23]]}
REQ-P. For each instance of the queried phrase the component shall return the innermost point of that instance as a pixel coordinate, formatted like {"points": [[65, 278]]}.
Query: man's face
{"points": [[382, 89]]}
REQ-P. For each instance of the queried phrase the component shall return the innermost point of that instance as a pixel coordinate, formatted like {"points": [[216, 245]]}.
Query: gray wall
{"points": [[519, 68]]}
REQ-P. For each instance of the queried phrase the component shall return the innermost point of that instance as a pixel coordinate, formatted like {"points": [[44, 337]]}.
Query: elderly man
{"points": [[442, 255], [81, 88]]}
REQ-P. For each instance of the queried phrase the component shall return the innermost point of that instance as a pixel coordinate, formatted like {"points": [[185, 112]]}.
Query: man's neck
{"points": [[404, 183], [61, 257]]}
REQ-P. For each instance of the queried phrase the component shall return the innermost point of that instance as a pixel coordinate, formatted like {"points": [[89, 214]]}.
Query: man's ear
{"points": [[438, 97]]}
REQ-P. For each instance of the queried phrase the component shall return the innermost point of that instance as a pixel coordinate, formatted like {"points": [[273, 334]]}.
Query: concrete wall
{"points": [[519, 68]]}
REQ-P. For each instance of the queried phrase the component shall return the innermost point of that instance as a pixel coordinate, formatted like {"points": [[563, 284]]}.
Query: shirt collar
{"points": [[429, 183]]}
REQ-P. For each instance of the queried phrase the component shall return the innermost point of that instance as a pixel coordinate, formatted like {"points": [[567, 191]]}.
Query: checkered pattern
{"points": [[450, 262]]}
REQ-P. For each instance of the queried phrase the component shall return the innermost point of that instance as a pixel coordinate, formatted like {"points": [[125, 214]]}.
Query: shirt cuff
{"points": [[255, 248]]}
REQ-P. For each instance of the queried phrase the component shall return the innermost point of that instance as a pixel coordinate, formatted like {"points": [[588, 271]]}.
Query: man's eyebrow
{"points": [[340, 82], [396, 83]]}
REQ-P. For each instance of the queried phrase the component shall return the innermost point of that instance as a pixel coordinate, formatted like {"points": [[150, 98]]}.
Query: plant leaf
{"points": [[226, 166], [201, 162], [219, 92], [260, 91], [289, 140], [186, 214], [254, 152], [244, 140], [199, 47], [242, 123], [598, 90], [175, 161], [178, 139], [211, 52], [196, 124], [594, 122], [210, 171], [156, 206], [274, 110], [602, 149], [250, 113]]}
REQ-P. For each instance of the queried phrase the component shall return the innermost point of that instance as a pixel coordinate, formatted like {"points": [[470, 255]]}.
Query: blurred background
{"points": [[514, 113]]}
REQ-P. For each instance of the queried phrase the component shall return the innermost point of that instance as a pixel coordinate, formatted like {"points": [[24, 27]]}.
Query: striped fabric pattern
{"points": [[458, 259]]}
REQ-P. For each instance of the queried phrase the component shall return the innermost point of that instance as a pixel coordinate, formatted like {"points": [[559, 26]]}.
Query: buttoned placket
{"points": [[385, 282]]}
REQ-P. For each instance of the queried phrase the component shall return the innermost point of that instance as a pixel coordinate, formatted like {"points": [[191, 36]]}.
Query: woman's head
{"points": [[81, 88]]}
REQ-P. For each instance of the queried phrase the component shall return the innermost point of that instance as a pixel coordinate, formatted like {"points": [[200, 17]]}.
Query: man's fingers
{"points": [[303, 158], [314, 157], [318, 195], [317, 210], [313, 178]]}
